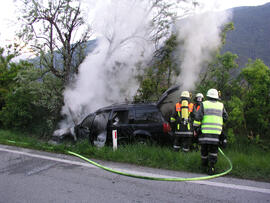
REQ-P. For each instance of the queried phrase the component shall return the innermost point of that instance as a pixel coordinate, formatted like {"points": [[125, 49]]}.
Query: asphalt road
{"points": [[34, 176]]}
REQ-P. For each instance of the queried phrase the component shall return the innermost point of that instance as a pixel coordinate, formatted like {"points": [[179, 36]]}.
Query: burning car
{"points": [[136, 122]]}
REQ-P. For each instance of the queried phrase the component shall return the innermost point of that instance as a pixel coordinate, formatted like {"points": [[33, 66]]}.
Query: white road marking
{"points": [[233, 186], [204, 182], [210, 183], [48, 158]]}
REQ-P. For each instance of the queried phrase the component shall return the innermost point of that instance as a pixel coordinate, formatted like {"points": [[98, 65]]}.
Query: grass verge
{"points": [[249, 160]]}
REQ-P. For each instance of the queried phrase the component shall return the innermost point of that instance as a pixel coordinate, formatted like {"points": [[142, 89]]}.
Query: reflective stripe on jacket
{"points": [[212, 119], [196, 123]]}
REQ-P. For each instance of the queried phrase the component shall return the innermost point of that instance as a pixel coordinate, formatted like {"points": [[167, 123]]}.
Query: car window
{"points": [[120, 117], [147, 116], [87, 122]]}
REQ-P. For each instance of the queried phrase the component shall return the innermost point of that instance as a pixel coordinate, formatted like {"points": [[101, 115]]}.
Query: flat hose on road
{"points": [[157, 178]]}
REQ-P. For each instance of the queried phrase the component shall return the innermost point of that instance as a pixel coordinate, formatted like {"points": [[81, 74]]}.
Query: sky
{"points": [[8, 25]]}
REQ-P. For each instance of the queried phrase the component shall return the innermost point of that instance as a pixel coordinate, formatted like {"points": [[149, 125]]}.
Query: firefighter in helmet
{"points": [[181, 123], [212, 114], [197, 124]]}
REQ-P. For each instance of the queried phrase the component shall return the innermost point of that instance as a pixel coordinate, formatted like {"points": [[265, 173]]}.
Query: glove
{"points": [[198, 130], [223, 140], [223, 143]]}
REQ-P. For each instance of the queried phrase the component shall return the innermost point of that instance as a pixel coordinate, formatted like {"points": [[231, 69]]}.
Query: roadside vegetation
{"points": [[250, 160]]}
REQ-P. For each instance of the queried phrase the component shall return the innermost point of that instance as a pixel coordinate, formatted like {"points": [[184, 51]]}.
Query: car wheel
{"points": [[143, 140]]}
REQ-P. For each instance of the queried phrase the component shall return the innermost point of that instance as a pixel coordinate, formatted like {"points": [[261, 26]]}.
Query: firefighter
{"points": [[197, 124], [181, 123], [211, 114]]}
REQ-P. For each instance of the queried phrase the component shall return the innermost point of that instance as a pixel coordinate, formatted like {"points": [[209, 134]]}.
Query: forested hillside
{"points": [[251, 36]]}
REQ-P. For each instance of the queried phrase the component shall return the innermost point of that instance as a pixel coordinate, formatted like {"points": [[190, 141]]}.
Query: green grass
{"points": [[250, 161]]}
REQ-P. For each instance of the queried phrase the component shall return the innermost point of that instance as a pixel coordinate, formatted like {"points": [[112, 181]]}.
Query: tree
{"points": [[154, 23], [34, 101], [50, 28], [162, 21], [221, 74], [227, 27], [8, 71], [256, 84], [158, 77]]}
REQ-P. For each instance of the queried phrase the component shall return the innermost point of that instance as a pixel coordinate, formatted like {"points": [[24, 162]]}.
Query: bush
{"points": [[34, 102], [257, 98], [231, 137], [18, 111]]}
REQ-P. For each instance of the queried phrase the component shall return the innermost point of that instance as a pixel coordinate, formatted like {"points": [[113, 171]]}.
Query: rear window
{"points": [[147, 116]]}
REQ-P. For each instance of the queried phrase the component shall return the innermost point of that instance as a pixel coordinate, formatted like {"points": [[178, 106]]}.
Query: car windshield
{"points": [[87, 122]]}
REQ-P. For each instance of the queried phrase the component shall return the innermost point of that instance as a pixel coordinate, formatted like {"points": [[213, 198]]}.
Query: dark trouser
{"points": [[182, 142], [209, 154]]}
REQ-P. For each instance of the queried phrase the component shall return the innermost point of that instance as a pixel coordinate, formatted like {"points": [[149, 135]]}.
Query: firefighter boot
{"points": [[204, 165], [211, 169]]}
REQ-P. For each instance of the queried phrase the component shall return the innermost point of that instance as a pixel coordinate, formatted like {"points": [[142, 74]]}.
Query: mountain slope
{"points": [[251, 37]]}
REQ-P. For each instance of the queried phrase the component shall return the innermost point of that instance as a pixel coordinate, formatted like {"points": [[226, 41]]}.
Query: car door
{"points": [[120, 121], [148, 123], [83, 129], [98, 131]]}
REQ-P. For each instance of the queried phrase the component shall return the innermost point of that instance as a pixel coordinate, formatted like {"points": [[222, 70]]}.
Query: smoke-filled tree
{"points": [[220, 75], [159, 76], [159, 29], [49, 29], [218, 72]]}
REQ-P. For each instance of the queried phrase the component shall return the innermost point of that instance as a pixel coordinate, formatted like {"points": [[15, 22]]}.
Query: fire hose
{"points": [[157, 178], [151, 177]]}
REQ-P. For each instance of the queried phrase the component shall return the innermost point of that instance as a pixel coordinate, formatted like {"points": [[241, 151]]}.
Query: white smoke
{"points": [[199, 36], [123, 31], [108, 75]]}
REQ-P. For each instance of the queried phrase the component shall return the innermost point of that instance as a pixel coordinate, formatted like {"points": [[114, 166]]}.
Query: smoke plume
{"points": [[199, 37], [108, 75], [122, 29]]}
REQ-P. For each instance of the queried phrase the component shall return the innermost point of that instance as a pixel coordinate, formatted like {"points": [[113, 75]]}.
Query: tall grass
{"points": [[249, 160]]}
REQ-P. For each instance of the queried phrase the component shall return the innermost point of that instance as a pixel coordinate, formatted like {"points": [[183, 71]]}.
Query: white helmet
{"points": [[212, 93], [199, 97], [185, 94]]}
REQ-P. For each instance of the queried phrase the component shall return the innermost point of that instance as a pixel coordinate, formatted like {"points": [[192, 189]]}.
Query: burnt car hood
{"points": [[167, 101]]}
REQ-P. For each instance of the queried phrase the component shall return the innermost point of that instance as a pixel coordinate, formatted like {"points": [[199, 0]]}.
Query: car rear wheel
{"points": [[143, 140]]}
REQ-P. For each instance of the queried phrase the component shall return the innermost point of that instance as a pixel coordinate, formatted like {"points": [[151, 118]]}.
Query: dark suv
{"points": [[138, 122], [133, 122]]}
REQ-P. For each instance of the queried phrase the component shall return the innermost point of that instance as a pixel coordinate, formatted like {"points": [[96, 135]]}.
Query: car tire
{"points": [[143, 140]]}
